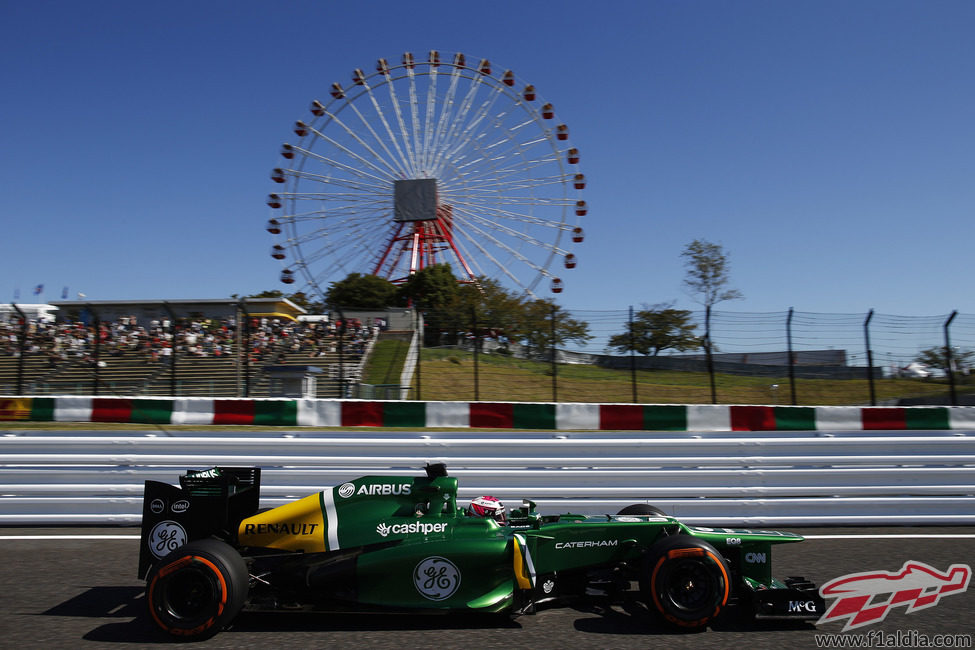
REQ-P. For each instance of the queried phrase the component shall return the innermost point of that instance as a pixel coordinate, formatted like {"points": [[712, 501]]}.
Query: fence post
{"points": [[555, 369], [866, 335], [477, 383], [949, 361], [22, 345], [98, 348], [792, 360], [172, 350], [243, 346], [707, 352], [341, 332], [632, 357], [419, 352]]}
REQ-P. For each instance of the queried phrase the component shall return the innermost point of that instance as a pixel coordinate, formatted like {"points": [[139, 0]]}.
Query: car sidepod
{"points": [[386, 541], [467, 565]]}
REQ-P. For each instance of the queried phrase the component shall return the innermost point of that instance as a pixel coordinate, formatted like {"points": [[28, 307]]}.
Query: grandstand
{"points": [[182, 348]]}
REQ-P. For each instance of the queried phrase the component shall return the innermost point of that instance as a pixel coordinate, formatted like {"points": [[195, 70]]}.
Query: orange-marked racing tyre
{"points": [[198, 589], [686, 581]]}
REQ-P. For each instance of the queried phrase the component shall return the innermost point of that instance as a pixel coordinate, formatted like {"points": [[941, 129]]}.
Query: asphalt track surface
{"points": [[64, 589]]}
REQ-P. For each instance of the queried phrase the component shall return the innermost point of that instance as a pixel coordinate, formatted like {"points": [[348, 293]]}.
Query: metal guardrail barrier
{"points": [[799, 478]]}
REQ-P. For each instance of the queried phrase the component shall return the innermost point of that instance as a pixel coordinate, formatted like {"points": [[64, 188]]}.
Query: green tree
{"points": [[493, 311], [486, 307], [359, 291], [536, 326], [433, 288], [706, 280], [707, 273], [496, 310], [936, 358], [656, 328]]}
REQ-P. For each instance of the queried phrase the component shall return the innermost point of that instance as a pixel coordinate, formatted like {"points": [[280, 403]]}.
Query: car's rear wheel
{"points": [[198, 589], [686, 581], [642, 509]]}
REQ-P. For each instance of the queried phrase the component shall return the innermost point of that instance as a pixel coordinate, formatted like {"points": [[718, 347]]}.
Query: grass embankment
{"points": [[449, 375], [386, 362]]}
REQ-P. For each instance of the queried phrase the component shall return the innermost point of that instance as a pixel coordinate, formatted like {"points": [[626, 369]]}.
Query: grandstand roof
{"points": [[194, 308]]}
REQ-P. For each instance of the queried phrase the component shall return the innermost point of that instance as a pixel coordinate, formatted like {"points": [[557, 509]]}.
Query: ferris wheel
{"points": [[425, 163]]}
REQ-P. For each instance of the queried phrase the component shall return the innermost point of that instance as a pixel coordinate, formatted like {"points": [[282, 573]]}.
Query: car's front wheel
{"points": [[686, 581], [198, 589]]}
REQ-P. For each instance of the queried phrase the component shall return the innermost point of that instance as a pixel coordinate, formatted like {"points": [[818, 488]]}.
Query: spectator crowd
{"points": [[155, 342]]}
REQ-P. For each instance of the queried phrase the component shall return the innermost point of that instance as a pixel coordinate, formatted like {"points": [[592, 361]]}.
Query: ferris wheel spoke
{"points": [[331, 225], [526, 219], [492, 215], [353, 170], [497, 204], [403, 131], [335, 221], [477, 127], [526, 162], [454, 132], [393, 164], [447, 105], [358, 197], [516, 234], [428, 119], [462, 111], [515, 253], [488, 255], [501, 162], [341, 182], [334, 250], [386, 169], [415, 121], [482, 217], [510, 181], [402, 159], [319, 232]]}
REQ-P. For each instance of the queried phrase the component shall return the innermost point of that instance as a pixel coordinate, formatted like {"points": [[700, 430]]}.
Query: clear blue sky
{"points": [[829, 146]]}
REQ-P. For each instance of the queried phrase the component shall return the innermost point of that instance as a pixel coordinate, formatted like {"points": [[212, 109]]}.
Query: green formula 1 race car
{"points": [[396, 542]]}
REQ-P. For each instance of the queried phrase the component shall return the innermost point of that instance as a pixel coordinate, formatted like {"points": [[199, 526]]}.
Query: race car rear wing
{"points": [[207, 503]]}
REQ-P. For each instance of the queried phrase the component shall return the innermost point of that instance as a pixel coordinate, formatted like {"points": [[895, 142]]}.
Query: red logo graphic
{"points": [[916, 585]]}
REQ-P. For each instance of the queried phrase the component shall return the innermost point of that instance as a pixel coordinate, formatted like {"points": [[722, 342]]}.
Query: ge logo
{"points": [[346, 490], [436, 578], [165, 537]]}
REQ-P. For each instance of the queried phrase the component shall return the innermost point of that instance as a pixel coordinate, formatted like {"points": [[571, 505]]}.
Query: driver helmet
{"points": [[490, 507]]}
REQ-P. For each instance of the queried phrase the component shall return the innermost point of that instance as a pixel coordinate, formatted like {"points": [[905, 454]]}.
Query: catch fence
{"points": [[785, 358], [775, 358]]}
